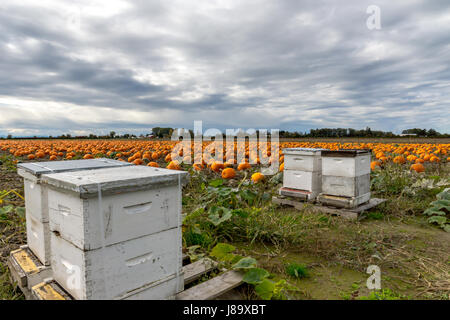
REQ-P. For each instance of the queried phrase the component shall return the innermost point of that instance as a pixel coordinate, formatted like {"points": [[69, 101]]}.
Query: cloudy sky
{"points": [[95, 66]]}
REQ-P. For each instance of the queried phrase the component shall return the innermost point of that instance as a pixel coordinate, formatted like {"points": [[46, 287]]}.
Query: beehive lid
{"points": [[304, 151], [114, 180], [40, 168], [345, 153]]}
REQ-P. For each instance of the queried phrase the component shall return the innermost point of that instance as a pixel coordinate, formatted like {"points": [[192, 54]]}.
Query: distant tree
{"points": [[416, 131], [432, 133], [162, 132], [9, 136], [112, 134]]}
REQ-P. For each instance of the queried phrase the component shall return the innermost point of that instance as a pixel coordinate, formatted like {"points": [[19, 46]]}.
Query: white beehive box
{"points": [[132, 224], [37, 216], [303, 159], [346, 174], [122, 270], [302, 171]]}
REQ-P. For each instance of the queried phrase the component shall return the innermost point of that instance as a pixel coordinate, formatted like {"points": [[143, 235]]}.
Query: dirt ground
{"points": [[414, 259]]}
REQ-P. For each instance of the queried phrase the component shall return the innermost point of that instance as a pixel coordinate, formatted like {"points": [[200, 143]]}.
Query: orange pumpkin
{"points": [[173, 165], [228, 173], [417, 167], [257, 177], [244, 166], [153, 164]]}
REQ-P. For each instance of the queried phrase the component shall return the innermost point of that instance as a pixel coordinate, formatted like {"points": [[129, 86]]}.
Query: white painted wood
{"points": [[302, 163], [38, 238], [114, 181], [39, 168], [346, 166], [36, 197], [164, 289], [125, 216], [302, 180], [302, 159], [346, 186], [115, 271], [303, 151]]}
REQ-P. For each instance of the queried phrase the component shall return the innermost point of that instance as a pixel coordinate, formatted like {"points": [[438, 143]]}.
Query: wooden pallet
{"points": [[351, 214], [35, 281]]}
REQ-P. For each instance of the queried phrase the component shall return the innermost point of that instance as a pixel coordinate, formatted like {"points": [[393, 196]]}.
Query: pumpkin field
{"points": [[228, 214]]}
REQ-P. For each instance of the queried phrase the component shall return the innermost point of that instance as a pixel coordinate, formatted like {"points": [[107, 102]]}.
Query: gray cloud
{"points": [[279, 64]]}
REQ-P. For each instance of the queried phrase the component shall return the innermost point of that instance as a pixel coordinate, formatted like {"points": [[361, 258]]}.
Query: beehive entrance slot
{"points": [[138, 208]]}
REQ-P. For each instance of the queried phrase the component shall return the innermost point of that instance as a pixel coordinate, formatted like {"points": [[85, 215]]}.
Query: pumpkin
{"points": [[217, 166], [417, 167], [173, 165], [375, 164], [244, 166], [198, 166], [228, 173], [257, 177], [153, 164], [399, 160]]}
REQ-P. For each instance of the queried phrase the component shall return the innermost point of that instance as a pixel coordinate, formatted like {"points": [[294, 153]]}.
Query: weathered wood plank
{"points": [[369, 205], [195, 270], [301, 205], [345, 213], [18, 275], [212, 288]]}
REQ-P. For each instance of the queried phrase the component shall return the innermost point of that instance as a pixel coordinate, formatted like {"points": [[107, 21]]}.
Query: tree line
{"points": [[159, 132]]}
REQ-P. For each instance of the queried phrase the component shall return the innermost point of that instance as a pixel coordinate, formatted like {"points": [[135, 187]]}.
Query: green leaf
{"points": [[438, 220], [444, 195], [6, 209], [447, 228], [265, 289], [433, 211], [222, 251], [20, 212], [277, 178], [248, 196], [216, 183], [245, 263], [255, 276], [193, 215], [219, 215], [441, 204], [241, 213]]}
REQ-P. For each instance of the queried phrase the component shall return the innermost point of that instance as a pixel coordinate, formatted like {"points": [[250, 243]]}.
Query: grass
{"points": [[7, 291], [296, 270]]}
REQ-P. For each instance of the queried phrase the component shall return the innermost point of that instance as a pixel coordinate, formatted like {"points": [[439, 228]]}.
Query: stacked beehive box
{"points": [[37, 215], [345, 178], [302, 176], [115, 233]]}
